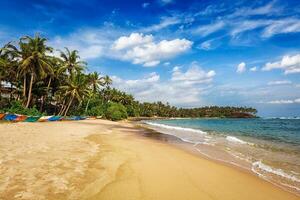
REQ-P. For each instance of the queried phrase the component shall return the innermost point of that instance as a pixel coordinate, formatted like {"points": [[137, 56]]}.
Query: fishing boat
{"points": [[45, 118], [20, 118], [2, 115], [55, 118], [10, 117], [32, 119]]}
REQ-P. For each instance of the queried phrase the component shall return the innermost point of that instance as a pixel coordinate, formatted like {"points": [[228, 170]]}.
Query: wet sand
{"points": [[99, 159]]}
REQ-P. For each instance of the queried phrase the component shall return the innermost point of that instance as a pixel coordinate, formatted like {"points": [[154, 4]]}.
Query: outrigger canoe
{"points": [[44, 118], [32, 119], [55, 118], [10, 117], [2, 115]]}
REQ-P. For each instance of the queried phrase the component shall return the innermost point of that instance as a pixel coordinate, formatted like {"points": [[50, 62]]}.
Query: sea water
{"points": [[269, 147]]}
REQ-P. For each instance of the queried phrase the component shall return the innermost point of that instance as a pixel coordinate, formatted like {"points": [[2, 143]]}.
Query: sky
{"points": [[188, 53]]}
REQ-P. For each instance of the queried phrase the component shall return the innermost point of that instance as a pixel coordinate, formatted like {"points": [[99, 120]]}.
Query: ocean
{"points": [[269, 147]]}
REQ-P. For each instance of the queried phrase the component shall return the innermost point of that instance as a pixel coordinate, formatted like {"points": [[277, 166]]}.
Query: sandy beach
{"points": [[99, 159]]}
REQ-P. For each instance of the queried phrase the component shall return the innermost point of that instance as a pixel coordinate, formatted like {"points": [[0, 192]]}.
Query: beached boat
{"points": [[2, 115], [55, 118], [32, 119], [45, 118], [10, 117], [20, 118]]}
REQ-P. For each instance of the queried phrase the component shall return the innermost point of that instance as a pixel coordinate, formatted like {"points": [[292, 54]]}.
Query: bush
{"points": [[116, 111], [16, 107], [96, 111]]}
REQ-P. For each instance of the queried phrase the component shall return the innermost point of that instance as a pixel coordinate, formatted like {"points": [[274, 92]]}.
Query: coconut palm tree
{"points": [[71, 62], [75, 89], [35, 62], [95, 81], [107, 81]]}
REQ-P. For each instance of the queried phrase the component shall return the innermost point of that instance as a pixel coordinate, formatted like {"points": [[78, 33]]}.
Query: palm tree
{"points": [[75, 89], [34, 61], [106, 81], [71, 62], [95, 81]]}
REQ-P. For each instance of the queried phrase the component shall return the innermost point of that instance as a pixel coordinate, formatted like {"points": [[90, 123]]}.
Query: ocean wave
{"points": [[176, 128], [235, 140], [266, 168]]}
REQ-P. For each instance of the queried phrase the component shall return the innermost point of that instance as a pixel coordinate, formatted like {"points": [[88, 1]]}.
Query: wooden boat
{"points": [[32, 119], [20, 118], [55, 118], [2, 115], [10, 117], [44, 118]]}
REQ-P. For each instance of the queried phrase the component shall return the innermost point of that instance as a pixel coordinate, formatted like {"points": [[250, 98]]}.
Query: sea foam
{"points": [[279, 172], [176, 128]]}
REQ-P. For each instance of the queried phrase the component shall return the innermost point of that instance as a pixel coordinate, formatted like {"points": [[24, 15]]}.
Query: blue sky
{"points": [[189, 53]]}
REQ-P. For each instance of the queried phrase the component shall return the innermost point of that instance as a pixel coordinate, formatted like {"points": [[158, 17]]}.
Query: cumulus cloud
{"points": [[142, 49], [241, 68], [182, 88], [283, 82], [290, 64], [253, 69]]}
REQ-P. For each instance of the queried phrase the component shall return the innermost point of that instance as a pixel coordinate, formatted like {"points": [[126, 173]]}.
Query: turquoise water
{"points": [[276, 130], [268, 147]]}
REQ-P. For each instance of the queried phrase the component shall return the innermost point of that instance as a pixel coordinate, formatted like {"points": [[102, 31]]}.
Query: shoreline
{"points": [[99, 159]]}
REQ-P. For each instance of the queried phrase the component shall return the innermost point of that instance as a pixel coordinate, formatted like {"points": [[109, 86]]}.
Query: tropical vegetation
{"points": [[35, 81]]}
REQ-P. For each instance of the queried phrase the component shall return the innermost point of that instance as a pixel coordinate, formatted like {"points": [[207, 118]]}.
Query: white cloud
{"points": [[268, 9], [282, 26], [241, 68], [206, 45], [284, 101], [133, 40], [290, 64], [283, 82], [164, 23], [253, 69], [142, 49], [183, 88], [205, 30]]}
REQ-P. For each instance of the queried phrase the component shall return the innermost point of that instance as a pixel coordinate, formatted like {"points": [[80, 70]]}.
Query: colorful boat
{"points": [[32, 119], [44, 118], [20, 118], [55, 118], [10, 117], [2, 115]]}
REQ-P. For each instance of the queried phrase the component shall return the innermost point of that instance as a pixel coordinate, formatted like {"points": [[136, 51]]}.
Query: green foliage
{"points": [[116, 111], [96, 111], [17, 108]]}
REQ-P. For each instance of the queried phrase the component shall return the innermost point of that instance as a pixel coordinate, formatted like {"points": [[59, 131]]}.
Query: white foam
{"points": [[278, 172], [235, 140], [176, 128]]}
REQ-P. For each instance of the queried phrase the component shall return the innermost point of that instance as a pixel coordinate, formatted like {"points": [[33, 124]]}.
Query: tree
{"points": [[34, 61], [71, 62]]}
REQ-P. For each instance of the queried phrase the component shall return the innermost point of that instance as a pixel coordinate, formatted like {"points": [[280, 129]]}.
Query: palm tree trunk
{"points": [[69, 105], [45, 96], [24, 86], [87, 105], [29, 92]]}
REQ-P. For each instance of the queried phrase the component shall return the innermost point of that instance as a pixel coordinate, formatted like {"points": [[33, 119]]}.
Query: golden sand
{"points": [[99, 159]]}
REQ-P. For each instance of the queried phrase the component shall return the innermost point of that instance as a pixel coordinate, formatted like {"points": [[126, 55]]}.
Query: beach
{"points": [[100, 159]]}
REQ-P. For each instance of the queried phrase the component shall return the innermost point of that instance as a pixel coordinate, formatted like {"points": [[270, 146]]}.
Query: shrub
{"points": [[96, 111], [17, 108], [116, 111]]}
